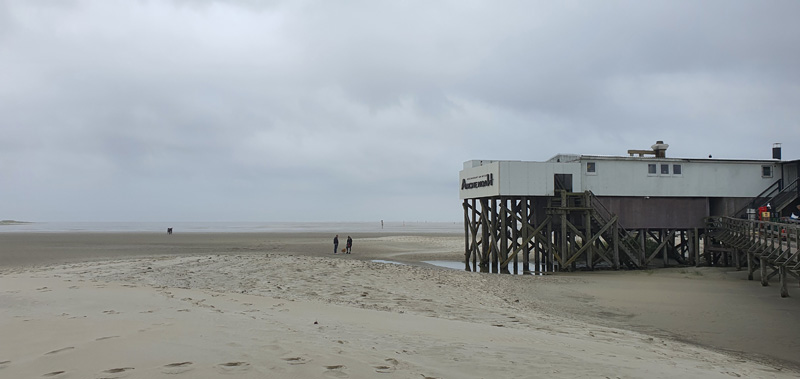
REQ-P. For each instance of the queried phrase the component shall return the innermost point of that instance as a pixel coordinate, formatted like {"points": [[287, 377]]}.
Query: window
{"points": [[664, 169], [766, 171], [591, 168], [676, 169], [651, 169]]}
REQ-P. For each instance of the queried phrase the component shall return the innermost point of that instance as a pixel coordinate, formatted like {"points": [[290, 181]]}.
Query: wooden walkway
{"points": [[574, 231], [769, 247]]}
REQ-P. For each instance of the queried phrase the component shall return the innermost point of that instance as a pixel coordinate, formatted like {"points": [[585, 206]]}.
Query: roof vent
{"points": [[659, 150]]}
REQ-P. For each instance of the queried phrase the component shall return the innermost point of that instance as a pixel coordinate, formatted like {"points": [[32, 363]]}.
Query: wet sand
{"points": [[255, 304]]}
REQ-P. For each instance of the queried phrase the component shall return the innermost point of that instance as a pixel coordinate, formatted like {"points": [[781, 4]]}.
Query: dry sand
{"points": [[75, 305]]}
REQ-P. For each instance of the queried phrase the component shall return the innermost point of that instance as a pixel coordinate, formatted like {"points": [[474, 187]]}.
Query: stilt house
{"points": [[587, 210]]}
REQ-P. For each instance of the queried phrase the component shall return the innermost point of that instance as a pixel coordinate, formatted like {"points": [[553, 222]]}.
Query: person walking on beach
{"points": [[349, 244], [335, 243]]}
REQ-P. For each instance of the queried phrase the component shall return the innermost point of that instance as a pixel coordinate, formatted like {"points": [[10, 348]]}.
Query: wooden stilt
{"points": [[643, 248], [467, 223], [664, 246], [526, 254], [484, 235], [782, 277], [588, 237], [615, 242], [476, 225], [502, 254], [549, 254]]}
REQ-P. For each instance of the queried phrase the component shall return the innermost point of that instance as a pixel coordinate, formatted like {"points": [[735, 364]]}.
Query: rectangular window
{"points": [[591, 168], [651, 169], [664, 169], [766, 171], [676, 169]]}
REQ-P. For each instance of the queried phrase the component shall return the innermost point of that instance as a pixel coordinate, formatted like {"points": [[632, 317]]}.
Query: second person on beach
{"points": [[335, 243]]}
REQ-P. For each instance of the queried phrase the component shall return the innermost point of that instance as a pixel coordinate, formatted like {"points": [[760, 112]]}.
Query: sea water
{"points": [[234, 227]]}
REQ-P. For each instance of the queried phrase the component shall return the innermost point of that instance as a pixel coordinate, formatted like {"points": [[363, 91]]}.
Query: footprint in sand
{"points": [[230, 367], [105, 338], [335, 371], [388, 368], [54, 373], [115, 373], [4, 364], [59, 350], [296, 360], [177, 368]]}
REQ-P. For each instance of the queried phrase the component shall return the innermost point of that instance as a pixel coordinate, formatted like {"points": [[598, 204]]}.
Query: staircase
{"points": [[604, 227], [786, 197], [778, 196], [760, 200]]}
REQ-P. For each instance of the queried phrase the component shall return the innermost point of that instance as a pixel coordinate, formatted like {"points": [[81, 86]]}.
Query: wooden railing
{"points": [[770, 246]]}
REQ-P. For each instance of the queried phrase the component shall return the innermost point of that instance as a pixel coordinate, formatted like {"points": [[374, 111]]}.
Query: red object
{"points": [[761, 211]]}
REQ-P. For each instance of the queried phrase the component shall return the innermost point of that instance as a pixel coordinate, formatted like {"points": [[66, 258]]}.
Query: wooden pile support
{"points": [[569, 231], [771, 248]]}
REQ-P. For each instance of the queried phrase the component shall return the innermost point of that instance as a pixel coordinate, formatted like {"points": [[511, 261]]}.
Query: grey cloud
{"points": [[363, 110]]}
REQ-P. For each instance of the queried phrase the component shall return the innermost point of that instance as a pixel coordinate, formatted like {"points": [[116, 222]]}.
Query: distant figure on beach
{"points": [[335, 243], [169, 230], [381, 224], [349, 244]]}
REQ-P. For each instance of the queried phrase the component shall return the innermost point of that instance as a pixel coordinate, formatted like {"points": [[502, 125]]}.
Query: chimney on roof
{"points": [[660, 149], [776, 151]]}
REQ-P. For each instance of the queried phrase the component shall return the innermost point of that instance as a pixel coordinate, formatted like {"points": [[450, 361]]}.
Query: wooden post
{"points": [[549, 253], [696, 245], [683, 252], [538, 253], [782, 276], [588, 235], [484, 235], [503, 253], [690, 246], [515, 233], [615, 241], [663, 234], [495, 264], [563, 241], [467, 223], [526, 254], [764, 279], [475, 235], [643, 252]]}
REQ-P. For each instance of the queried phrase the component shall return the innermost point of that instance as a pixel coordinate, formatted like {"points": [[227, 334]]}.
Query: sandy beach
{"points": [[282, 305]]}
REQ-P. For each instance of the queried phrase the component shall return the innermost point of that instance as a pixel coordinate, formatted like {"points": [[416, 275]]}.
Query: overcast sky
{"points": [[365, 110]]}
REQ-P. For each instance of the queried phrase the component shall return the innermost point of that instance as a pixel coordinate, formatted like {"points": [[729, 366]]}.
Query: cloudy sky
{"points": [[182, 110]]}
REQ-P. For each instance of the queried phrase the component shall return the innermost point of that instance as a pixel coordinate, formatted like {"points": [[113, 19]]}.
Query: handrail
{"points": [[601, 209], [766, 194], [785, 197], [771, 245]]}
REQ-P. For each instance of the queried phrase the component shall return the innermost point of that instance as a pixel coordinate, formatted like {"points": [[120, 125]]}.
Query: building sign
{"points": [[478, 182]]}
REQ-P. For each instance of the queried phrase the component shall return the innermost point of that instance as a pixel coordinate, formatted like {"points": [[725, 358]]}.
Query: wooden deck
{"points": [[769, 247], [574, 231]]}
